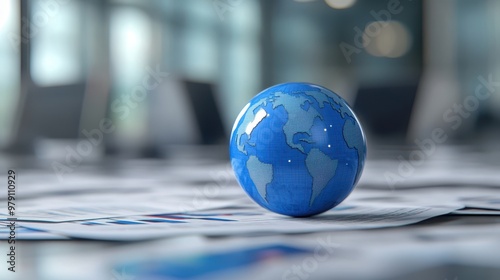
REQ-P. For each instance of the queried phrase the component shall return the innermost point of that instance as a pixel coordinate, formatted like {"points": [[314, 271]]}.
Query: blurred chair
{"points": [[48, 112], [385, 111], [183, 113]]}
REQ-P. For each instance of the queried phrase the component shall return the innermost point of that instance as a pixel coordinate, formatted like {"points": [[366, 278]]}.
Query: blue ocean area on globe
{"points": [[297, 149]]}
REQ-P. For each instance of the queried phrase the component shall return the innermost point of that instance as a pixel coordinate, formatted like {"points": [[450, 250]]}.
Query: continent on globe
{"points": [[293, 106], [321, 173], [297, 149], [260, 173]]}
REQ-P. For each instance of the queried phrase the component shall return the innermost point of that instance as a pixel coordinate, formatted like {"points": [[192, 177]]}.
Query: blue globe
{"points": [[297, 149]]}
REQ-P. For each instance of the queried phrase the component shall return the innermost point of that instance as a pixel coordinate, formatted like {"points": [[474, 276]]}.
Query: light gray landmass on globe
{"points": [[354, 140], [242, 128], [351, 131], [293, 106], [261, 174], [323, 98], [322, 169]]}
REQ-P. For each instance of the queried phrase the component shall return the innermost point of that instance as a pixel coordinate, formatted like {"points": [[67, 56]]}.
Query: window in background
{"points": [[322, 42], [240, 58], [130, 50], [189, 40], [199, 53], [9, 70], [193, 46], [494, 16], [200, 45], [477, 32], [56, 53]]}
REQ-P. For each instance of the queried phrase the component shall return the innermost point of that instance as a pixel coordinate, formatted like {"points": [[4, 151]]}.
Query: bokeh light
{"points": [[386, 39], [340, 4]]}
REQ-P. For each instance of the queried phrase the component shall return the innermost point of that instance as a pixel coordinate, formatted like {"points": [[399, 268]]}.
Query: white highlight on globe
{"points": [[261, 114], [240, 115]]}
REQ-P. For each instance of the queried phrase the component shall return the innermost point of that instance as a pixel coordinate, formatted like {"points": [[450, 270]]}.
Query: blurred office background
{"points": [[68, 64]]}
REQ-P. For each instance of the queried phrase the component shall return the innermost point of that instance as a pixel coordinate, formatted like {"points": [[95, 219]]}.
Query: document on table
{"points": [[233, 221], [468, 197], [400, 173], [378, 252], [87, 195], [22, 233], [483, 201], [153, 200], [61, 210], [206, 200]]}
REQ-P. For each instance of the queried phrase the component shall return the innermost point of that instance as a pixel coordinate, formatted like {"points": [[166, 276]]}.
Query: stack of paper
{"points": [[153, 199]]}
